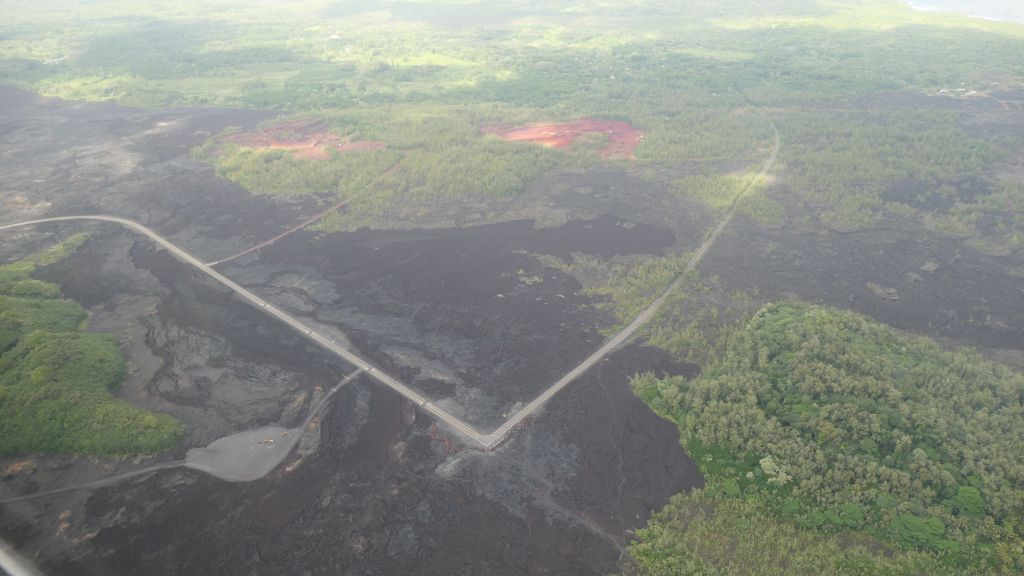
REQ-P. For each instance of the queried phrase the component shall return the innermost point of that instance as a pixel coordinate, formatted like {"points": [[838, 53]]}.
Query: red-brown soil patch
{"points": [[18, 467], [623, 138], [308, 139]]}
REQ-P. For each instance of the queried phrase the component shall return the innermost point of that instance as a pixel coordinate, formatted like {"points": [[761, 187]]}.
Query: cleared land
{"points": [[623, 138], [306, 139]]}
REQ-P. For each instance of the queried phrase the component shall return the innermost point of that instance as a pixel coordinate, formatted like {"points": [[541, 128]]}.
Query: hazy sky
{"points": [[1000, 9]]}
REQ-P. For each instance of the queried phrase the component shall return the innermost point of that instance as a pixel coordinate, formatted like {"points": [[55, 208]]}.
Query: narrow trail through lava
{"points": [[293, 229], [311, 220]]}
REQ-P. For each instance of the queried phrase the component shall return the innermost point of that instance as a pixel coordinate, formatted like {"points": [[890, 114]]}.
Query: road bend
{"points": [[425, 404], [317, 408], [496, 437]]}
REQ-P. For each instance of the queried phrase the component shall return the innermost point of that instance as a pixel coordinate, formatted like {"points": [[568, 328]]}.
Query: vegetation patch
{"points": [[714, 531], [719, 192], [860, 166], [826, 423], [761, 208], [436, 162], [57, 381], [623, 286]]}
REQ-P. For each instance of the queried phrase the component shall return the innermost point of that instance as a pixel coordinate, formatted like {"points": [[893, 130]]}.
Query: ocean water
{"points": [[1005, 10]]}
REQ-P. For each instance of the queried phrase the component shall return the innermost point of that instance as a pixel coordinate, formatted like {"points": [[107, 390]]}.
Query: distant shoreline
{"points": [[1014, 18]]}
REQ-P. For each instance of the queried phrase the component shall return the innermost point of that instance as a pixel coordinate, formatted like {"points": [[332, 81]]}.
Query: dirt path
{"points": [[311, 220], [291, 230]]}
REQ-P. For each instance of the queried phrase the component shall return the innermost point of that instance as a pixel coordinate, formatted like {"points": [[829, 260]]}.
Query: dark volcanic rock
{"points": [[470, 315]]}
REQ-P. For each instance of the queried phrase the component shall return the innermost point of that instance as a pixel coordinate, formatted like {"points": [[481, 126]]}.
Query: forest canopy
{"points": [[57, 381], [831, 423]]}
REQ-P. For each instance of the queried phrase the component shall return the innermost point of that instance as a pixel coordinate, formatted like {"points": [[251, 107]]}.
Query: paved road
{"points": [[498, 435], [376, 373], [489, 440]]}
